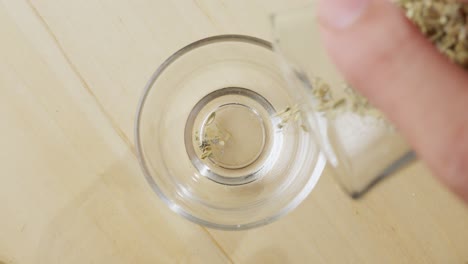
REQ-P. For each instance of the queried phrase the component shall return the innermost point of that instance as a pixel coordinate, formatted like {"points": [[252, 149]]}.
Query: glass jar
{"points": [[359, 143]]}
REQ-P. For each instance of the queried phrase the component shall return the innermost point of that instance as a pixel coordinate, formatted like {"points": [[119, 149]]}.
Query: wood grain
{"points": [[71, 191]]}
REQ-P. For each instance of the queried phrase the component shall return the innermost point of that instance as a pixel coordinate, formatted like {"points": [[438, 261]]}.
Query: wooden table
{"points": [[71, 190]]}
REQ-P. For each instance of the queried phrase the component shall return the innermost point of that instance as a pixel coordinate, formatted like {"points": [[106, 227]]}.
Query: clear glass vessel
{"points": [[223, 139]]}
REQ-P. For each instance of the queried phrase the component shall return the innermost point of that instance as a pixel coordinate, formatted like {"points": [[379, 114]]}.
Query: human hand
{"points": [[389, 61]]}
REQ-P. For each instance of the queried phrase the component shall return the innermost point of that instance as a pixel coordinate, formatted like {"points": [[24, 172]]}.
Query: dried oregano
{"points": [[333, 101], [444, 22], [213, 139]]}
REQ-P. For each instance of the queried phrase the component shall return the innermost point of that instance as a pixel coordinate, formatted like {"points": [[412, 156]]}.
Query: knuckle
{"points": [[386, 59]]}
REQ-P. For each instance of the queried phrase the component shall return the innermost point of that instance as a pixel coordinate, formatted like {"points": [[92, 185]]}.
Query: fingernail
{"points": [[341, 14]]}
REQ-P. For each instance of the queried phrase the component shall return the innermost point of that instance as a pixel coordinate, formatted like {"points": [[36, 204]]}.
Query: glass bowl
{"points": [[222, 138]]}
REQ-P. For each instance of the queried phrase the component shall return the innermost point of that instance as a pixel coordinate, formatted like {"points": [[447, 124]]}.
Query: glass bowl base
{"points": [[229, 136]]}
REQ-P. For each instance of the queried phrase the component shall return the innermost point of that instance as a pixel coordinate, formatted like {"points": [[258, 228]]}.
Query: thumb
{"points": [[386, 58]]}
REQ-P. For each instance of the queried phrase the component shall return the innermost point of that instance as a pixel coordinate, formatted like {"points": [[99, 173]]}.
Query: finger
{"points": [[384, 57]]}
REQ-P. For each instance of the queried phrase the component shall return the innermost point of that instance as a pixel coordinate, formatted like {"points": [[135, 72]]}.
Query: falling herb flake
{"points": [[288, 115], [340, 99], [214, 138]]}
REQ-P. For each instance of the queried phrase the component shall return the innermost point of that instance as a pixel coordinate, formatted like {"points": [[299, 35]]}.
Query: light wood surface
{"points": [[71, 190]]}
